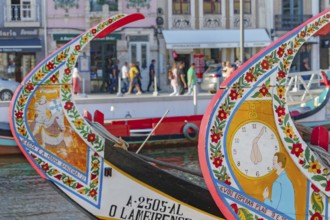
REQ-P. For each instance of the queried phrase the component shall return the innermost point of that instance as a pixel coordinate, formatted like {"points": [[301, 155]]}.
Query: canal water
{"points": [[25, 195]]}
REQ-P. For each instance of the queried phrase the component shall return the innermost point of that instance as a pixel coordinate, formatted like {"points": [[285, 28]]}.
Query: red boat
{"points": [[152, 132]]}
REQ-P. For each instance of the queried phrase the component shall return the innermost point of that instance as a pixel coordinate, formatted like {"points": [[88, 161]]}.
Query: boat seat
{"points": [[99, 117], [88, 115], [320, 137]]}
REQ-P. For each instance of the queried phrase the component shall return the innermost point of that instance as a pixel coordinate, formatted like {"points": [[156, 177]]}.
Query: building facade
{"points": [[200, 31], [21, 37]]}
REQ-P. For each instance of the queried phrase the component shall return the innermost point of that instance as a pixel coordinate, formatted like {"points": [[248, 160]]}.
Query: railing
{"points": [[299, 87], [287, 23]]}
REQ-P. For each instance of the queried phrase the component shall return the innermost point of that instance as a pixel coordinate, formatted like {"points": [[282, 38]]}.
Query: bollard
{"points": [[155, 86], [83, 94], [195, 99], [119, 86]]}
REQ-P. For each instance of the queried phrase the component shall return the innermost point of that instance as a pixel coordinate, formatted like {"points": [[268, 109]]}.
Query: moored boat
{"points": [[108, 182], [7, 143], [253, 159]]}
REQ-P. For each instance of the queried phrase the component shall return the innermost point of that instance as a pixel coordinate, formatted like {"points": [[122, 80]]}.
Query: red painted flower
{"points": [[263, 90], [67, 71], [29, 87], [249, 77], [110, 20], [78, 186], [217, 162], [301, 162], [228, 182], [93, 31], [327, 188], [92, 193], [91, 137], [290, 51], [19, 115], [215, 137], [280, 111], [68, 106], [296, 149], [233, 94], [303, 34], [45, 167], [316, 216], [53, 79], [265, 65], [315, 188], [50, 65], [77, 47], [281, 74], [234, 207], [222, 115], [280, 51]]}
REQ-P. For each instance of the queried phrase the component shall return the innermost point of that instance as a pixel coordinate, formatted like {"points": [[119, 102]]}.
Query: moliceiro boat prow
{"points": [[105, 181], [253, 159]]}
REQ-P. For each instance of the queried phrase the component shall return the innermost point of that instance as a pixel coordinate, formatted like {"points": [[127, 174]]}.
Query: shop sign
{"points": [[68, 37], [18, 32]]}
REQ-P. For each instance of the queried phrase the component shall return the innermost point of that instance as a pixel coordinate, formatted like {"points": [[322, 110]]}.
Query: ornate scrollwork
{"points": [[212, 22], [247, 21], [181, 22]]}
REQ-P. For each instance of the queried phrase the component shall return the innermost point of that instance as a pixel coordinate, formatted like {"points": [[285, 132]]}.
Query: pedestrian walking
{"points": [[151, 74], [133, 74], [106, 76], [139, 76], [173, 77], [191, 78], [182, 84], [75, 80], [115, 75], [125, 77]]}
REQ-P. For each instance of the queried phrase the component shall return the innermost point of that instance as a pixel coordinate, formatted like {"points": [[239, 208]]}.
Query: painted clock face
{"points": [[253, 147]]}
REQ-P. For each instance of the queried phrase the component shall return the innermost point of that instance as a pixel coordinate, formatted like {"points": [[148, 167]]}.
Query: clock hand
{"points": [[255, 155]]}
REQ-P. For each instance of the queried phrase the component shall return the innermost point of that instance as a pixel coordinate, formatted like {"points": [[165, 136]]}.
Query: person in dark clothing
{"points": [[152, 73], [182, 79], [107, 74], [114, 79]]}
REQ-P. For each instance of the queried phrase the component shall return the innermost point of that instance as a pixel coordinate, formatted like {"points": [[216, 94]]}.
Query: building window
{"points": [[246, 6], [96, 5], [212, 6], [21, 10], [180, 7]]}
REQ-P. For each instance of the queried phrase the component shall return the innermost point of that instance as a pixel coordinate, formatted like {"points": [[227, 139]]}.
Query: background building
{"points": [[200, 31]]}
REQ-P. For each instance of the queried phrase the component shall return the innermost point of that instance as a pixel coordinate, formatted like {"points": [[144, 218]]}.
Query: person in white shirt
{"points": [[125, 77]]}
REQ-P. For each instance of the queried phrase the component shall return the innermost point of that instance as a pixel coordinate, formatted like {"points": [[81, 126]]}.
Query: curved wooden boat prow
{"points": [[253, 159], [107, 182]]}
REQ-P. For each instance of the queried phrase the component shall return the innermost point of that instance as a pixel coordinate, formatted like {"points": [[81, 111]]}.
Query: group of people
{"points": [[181, 82], [131, 77]]}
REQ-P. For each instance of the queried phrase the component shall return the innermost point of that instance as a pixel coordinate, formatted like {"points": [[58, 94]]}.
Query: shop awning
{"points": [[176, 39], [20, 45]]}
